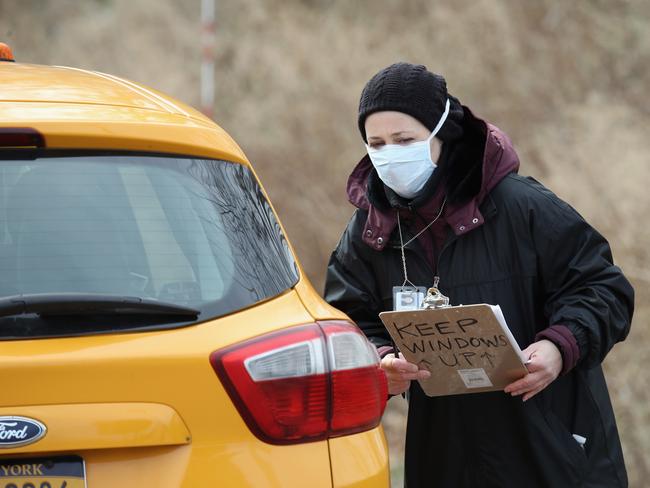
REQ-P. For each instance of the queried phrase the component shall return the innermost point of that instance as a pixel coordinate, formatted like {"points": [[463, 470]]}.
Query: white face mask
{"points": [[405, 169]]}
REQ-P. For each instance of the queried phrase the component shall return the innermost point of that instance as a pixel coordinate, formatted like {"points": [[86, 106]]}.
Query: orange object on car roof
{"points": [[5, 53]]}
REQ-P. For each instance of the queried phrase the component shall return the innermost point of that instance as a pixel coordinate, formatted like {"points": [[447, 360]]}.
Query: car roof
{"points": [[81, 109]]}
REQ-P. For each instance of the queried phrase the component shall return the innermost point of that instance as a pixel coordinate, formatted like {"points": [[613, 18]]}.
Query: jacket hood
{"points": [[468, 183]]}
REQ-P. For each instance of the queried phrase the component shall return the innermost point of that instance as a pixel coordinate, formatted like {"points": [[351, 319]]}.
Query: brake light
{"points": [[20, 138], [306, 383]]}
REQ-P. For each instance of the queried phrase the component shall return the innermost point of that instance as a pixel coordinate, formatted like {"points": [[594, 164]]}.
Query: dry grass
{"points": [[567, 81]]}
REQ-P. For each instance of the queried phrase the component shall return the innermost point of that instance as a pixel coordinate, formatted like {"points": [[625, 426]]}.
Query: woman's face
{"points": [[390, 127]]}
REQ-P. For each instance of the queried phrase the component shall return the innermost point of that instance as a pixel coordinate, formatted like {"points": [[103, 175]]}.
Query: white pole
{"points": [[207, 62]]}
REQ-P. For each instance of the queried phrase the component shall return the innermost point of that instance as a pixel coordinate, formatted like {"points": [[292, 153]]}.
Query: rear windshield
{"points": [[191, 232]]}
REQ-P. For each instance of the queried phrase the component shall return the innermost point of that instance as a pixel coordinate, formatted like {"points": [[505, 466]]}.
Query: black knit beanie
{"points": [[413, 90]]}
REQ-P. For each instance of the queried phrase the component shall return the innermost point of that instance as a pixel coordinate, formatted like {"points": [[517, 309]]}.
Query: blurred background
{"points": [[567, 81]]}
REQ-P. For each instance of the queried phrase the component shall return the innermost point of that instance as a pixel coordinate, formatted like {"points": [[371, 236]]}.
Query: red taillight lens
{"points": [[305, 383], [278, 383], [359, 388]]}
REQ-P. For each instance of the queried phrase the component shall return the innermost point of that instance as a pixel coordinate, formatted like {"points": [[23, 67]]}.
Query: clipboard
{"points": [[467, 348]]}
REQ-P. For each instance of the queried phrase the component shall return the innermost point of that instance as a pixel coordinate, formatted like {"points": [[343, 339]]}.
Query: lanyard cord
{"points": [[401, 240]]}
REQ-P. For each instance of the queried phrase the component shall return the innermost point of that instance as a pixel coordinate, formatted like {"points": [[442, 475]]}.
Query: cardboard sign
{"points": [[467, 349]]}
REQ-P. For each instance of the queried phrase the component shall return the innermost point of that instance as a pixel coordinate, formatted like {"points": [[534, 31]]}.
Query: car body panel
{"points": [[77, 109], [44, 84], [156, 132], [360, 461], [202, 466], [57, 371], [103, 426], [317, 307]]}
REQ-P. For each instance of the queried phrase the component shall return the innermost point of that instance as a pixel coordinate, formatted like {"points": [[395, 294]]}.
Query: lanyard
{"points": [[402, 244]]}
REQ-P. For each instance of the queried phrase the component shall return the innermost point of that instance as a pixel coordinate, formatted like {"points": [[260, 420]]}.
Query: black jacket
{"points": [[543, 264]]}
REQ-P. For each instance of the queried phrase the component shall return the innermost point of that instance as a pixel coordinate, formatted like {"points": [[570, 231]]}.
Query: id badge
{"points": [[408, 297]]}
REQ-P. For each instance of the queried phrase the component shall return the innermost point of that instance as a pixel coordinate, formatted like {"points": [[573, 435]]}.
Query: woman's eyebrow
{"points": [[394, 134]]}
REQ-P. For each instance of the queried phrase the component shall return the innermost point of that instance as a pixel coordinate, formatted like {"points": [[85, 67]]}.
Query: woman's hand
{"points": [[544, 366], [400, 373]]}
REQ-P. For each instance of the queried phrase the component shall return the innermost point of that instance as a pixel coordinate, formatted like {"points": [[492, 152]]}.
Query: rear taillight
{"points": [[306, 383]]}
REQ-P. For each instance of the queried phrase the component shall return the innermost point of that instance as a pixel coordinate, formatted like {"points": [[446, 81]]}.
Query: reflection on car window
{"points": [[188, 231]]}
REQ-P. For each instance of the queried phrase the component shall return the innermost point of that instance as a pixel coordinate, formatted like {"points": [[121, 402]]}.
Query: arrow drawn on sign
{"points": [[489, 357]]}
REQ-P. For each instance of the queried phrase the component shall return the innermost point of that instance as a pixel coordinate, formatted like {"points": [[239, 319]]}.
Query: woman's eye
{"points": [[405, 141]]}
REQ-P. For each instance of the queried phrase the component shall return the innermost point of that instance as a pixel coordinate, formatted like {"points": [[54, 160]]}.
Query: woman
{"points": [[445, 183]]}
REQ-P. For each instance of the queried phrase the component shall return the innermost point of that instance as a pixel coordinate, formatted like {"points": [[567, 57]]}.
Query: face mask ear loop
{"points": [[401, 241], [441, 122], [437, 128]]}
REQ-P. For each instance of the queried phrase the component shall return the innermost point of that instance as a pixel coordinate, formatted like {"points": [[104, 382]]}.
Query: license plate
{"points": [[45, 472]]}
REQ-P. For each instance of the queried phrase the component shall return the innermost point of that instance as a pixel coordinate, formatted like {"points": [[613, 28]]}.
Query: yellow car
{"points": [[156, 329]]}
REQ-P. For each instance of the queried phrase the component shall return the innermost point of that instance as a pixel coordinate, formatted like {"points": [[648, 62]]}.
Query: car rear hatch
{"points": [[120, 274], [151, 334]]}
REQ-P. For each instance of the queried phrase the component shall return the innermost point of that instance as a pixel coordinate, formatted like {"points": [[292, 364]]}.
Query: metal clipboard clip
{"points": [[434, 298]]}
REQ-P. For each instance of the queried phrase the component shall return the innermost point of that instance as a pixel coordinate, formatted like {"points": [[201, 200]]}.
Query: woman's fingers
{"points": [[418, 375], [530, 382], [423, 374], [409, 370], [527, 383], [545, 365], [400, 373], [400, 365], [403, 365], [532, 393]]}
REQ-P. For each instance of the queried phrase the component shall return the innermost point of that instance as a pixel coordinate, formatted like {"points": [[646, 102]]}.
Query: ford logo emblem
{"points": [[20, 431]]}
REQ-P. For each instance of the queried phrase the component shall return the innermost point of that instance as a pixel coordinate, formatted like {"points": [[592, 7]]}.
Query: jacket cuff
{"points": [[566, 342], [582, 339], [383, 351]]}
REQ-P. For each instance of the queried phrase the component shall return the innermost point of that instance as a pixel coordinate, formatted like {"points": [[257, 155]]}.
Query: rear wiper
{"points": [[45, 304]]}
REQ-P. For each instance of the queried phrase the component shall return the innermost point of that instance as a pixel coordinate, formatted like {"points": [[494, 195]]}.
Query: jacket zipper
{"points": [[448, 242]]}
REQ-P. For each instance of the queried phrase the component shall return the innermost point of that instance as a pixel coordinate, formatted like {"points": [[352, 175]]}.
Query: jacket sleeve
{"points": [[350, 286], [583, 289]]}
